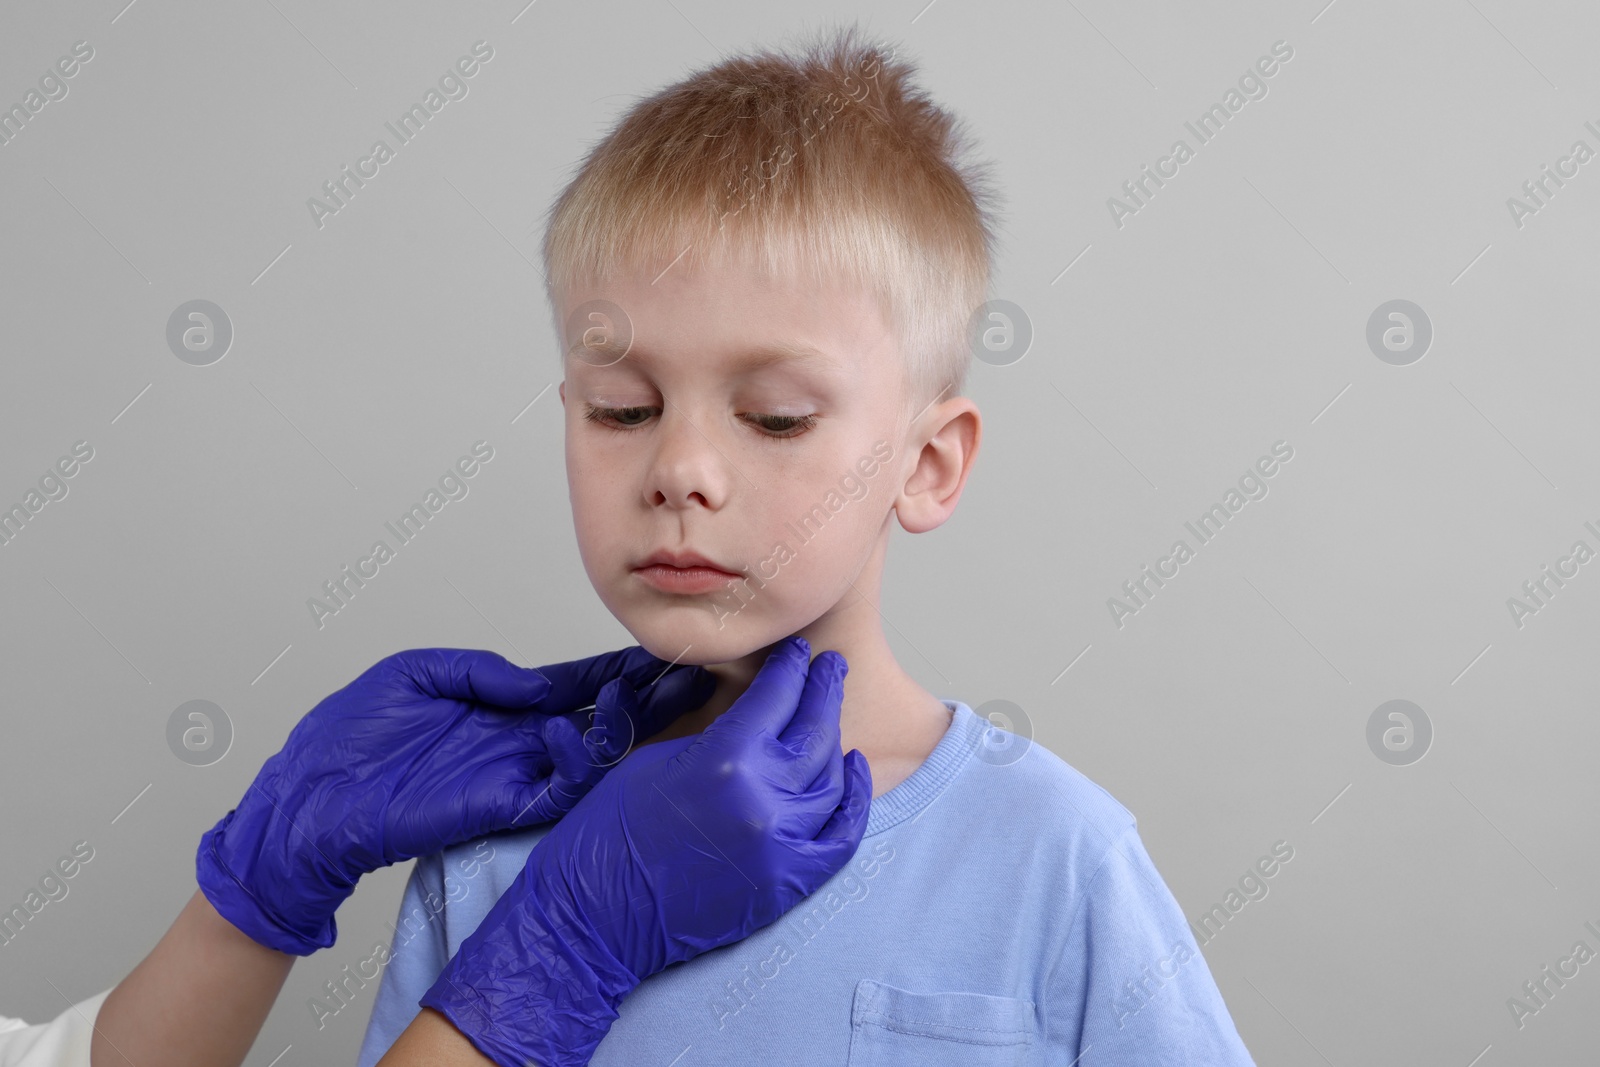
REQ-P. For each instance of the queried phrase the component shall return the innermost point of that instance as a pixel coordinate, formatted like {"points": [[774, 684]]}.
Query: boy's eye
{"points": [[778, 427], [782, 426], [615, 417]]}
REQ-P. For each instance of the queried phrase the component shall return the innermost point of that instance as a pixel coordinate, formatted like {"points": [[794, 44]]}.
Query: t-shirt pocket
{"points": [[892, 1027]]}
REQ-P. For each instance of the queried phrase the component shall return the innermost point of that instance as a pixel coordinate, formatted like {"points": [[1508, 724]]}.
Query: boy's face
{"points": [[783, 470]]}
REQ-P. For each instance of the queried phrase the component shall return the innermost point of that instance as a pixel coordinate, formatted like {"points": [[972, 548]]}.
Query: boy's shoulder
{"points": [[1017, 779], [1015, 762]]}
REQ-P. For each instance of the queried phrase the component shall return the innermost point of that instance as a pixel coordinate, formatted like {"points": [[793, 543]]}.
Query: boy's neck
{"points": [[884, 712]]}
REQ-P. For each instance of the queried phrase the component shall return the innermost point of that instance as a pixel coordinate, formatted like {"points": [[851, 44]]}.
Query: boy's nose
{"points": [[689, 468]]}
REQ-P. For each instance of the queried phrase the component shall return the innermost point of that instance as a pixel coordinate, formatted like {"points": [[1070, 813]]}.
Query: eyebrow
{"points": [[755, 357]]}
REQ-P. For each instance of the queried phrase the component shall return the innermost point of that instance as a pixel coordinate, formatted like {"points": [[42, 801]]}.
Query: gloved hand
{"points": [[430, 747], [686, 845]]}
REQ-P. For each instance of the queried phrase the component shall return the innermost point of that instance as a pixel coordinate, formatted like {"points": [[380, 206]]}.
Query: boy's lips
{"points": [[683, 572], [683, 560]]}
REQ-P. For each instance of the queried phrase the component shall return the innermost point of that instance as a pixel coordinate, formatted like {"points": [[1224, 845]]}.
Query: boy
{"points": [[762, 281]]}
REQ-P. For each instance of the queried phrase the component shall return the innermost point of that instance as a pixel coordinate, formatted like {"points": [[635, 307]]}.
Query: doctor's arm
{"points": [[200, 997]]}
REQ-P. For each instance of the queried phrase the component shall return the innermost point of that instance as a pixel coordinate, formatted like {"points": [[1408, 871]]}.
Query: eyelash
{"points": [[606, 417]]}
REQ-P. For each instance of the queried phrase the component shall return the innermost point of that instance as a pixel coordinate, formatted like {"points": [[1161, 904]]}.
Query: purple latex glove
{"points": [[430, 747], [686, 845]]}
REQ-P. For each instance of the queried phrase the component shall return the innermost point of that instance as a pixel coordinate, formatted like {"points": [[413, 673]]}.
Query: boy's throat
{"points": [[894, 722]]}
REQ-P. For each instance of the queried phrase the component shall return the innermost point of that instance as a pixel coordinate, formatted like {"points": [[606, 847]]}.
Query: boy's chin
{"points": [[701, 644]]}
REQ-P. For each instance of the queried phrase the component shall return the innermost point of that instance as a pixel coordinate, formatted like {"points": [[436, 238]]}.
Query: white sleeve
{"points": [[62, 1042]]}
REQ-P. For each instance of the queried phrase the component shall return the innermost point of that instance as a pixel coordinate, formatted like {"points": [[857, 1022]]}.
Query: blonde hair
{"points": [[829, 163]]}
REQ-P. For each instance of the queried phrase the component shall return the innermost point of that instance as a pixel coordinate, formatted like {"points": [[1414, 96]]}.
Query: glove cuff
{"points": [[548, 998], [233, 899]]}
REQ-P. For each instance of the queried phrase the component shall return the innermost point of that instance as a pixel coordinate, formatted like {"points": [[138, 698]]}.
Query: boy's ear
{"points": [[562, 392], [949, 439]]}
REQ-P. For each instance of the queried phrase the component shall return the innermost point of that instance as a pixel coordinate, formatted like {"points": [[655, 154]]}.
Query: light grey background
{"points": [[1227, 314]]}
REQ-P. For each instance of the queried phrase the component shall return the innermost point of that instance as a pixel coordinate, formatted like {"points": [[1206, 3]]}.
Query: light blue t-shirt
{"points": [[1001, 909]]}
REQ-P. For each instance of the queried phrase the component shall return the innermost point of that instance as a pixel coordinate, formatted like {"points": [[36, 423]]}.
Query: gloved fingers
{"points": [[841, 835], [530, 805], [812, 736], [473, 675], [612, 728], [678, 692], [769, 704], [831, 772], [813, 802], [580, 750], [577, 683], [572, 774]]}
